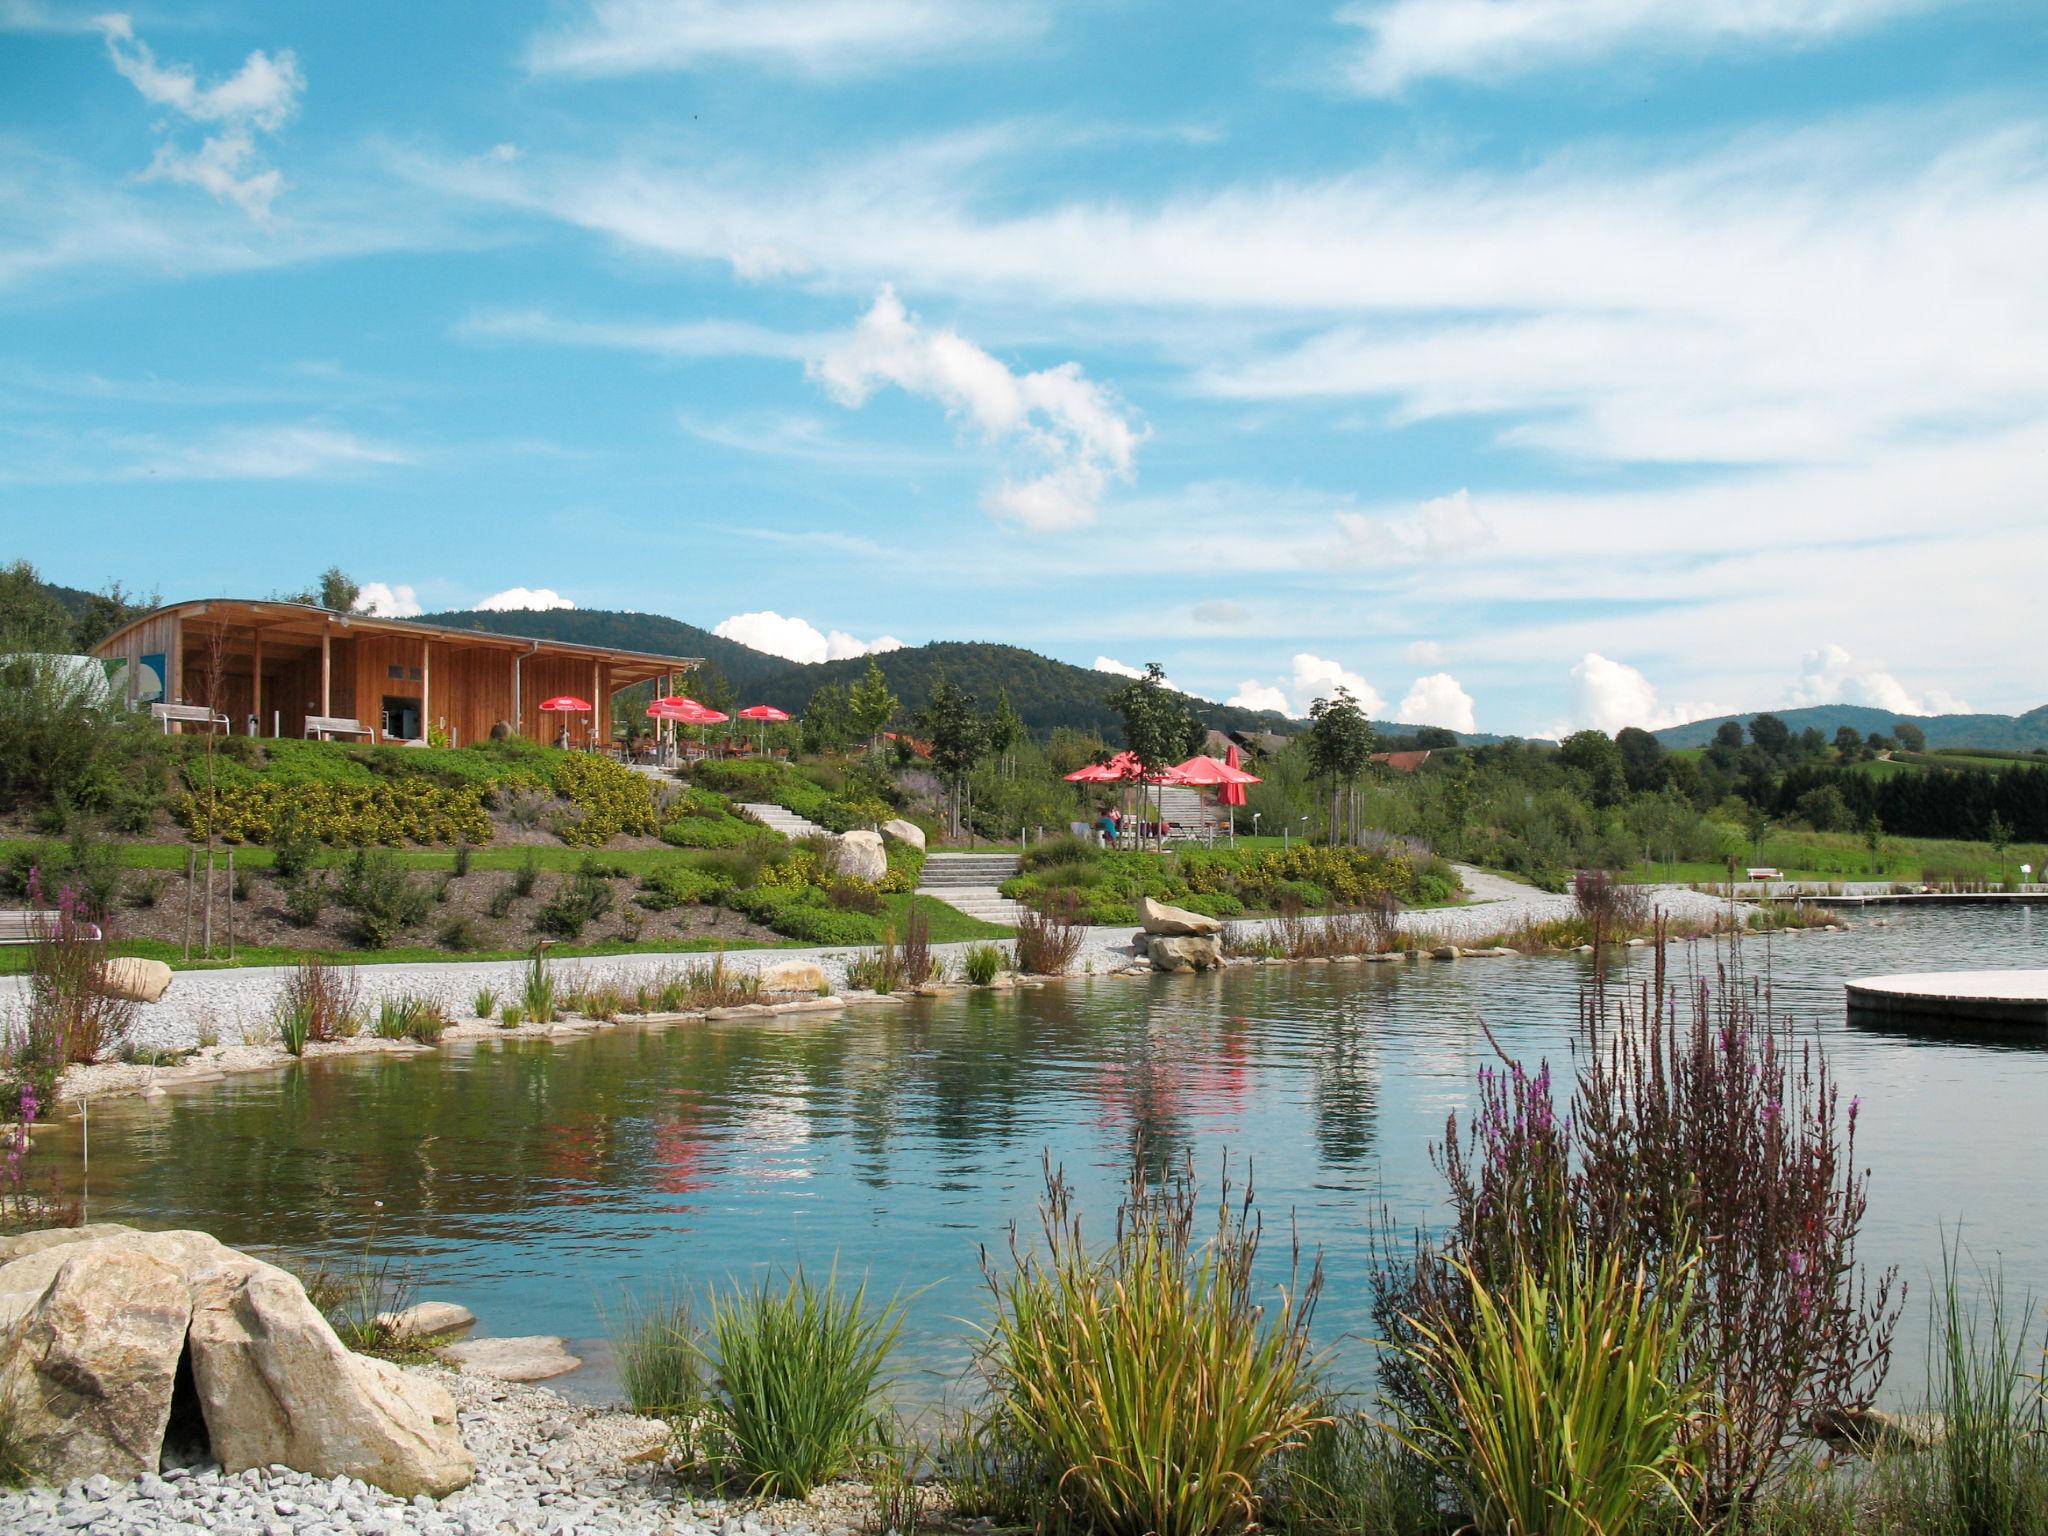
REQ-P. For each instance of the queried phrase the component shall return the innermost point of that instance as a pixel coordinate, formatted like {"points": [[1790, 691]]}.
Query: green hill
{"points": [[2018, 733]]}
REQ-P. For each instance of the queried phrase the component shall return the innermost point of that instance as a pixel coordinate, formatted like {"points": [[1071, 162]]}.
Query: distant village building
{"points": [[285, 668], [1402, 762]]}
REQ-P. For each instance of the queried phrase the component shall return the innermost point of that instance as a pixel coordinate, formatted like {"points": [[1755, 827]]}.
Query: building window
{"points": [[395, 672], [413, 673]]}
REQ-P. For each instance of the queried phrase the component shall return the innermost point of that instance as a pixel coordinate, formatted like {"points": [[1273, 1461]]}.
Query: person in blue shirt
{"points": [[1109, 829]]}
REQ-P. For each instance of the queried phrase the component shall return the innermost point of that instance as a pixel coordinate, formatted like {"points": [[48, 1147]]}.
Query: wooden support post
{"points": [[426, 692], [327, 672], [256, 681], [596, 700]]}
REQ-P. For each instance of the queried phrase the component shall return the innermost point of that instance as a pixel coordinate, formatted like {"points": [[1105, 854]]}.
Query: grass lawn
{"points": [[1822, 856]]}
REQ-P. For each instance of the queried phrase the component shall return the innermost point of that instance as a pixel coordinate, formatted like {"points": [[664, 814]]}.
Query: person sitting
{"points": [[1108, 826]]}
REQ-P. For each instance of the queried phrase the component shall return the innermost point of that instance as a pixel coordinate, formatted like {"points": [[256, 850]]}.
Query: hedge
{"points": [[351, 815]]}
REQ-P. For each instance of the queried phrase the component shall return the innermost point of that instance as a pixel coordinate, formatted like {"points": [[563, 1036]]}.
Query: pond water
{"points": [[532, 1180]]}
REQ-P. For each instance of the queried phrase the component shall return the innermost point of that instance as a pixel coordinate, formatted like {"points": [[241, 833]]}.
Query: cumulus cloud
{"points": [[260, 97], [1437, 700], [1831, 675], [798, 639], [1607, 695], [1067, 434], [1407, 40], [1313, 677], [821, 37], [521, 599], [1117, 668], [390, 602], [1440, 526]]}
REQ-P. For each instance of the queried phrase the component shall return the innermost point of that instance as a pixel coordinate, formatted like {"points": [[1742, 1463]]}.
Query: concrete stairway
{"points": [[788, 823], [968, 882]]}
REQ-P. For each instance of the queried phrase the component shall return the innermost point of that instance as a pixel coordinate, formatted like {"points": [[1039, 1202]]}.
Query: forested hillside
{"points": [[2011, 732]]}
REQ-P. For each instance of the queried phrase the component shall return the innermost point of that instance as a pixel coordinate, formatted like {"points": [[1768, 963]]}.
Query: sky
{"points": [[1521, 365]]}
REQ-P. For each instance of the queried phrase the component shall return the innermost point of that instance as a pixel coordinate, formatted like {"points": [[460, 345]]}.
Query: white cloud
{"points": [[1117, 668], [1443, 525], [1067, 427], [1830, 675], [1437, 700], [798, 639], [289, 452], [1608, 695], [1252, 694], [1424, 653], [1313, 677], [681, 339], [390, 602], [1407, 40], [523, 599], [259, 97], [821, 37]]}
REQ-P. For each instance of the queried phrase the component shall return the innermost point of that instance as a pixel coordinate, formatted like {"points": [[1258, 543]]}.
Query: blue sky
{"points": [[1522, 363]]}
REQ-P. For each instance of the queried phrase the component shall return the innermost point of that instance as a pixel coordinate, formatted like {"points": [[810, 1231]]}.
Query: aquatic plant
{"points": [[659, 1355], [801, 1369], [1049, 937], [1149, 1380], [983, 963], [1351, 1476], [879, 969], [410, 1016], [486, 1002], [537, 991], [1563, 1407], [917, 947], [71, 1016], [512, 1016], [1993, 1450], [318, 1002]]}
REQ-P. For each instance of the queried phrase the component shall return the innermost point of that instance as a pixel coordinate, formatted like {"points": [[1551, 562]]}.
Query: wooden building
{"points": [[272, 666]]}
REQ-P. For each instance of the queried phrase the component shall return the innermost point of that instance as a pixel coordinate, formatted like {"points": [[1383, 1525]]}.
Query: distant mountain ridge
{"points": [[1045, 693], [2013, 733]]}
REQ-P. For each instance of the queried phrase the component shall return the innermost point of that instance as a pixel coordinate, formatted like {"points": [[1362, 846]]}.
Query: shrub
{"points": [[851, 895], [526, 875], [1049, 940], [293, 847], [680, 885], [348, 815], [659, 1357], [1609, 908], [1151, 1381], [1064, 849], [879, 969], [586, 898], [502, 900], [803, 913], [486, 1002], [71, 1016], [984, 962], [906, 869], [610, 799], [410, 1017], [917, 947], [800, 1372], [1565, 1408], [464, 852], [145, 890], [1221, 904], [457, 934], [316, 1003], [304, 900], [381, 897], [713, 832], [512, 1016], [60, 743], [1298, 894]]}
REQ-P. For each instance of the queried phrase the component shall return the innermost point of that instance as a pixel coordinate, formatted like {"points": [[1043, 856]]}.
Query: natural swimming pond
{"points": [[531, 1180]]}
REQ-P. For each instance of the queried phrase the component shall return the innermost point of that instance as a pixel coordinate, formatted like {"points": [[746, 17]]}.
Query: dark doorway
{"points": [[401, 718]]}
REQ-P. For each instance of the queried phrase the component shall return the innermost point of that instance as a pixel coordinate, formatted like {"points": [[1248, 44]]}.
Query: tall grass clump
{"points": [[485, 1002], [537, 989], [1352, 1477], [1698, 1123], [1993, 1447], [983, 963], [1563, 1407], [71, 1016], [659, 1356], [1150, 1380], [800, 1374], [410, 1017], [879, 969], [1049, 937], [918, 965], [317, 1003]]}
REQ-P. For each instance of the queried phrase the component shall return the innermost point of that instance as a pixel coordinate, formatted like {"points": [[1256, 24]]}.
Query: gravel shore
{"points": [[233, 1007], [544, 1465]]}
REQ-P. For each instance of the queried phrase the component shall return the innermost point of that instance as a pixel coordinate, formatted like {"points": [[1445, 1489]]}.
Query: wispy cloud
{"points": [[813, 37], [276, 451], [1487, 40], [683, 339], [261, 96]]}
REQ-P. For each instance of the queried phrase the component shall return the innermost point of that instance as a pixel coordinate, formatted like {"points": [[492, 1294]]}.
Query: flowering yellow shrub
{"points": [[609, 797], [349, 815]]}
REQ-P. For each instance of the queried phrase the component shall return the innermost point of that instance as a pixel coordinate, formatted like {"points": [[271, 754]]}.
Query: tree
{"points": [[708, 686], [1849, 743], [1599, 758], [1822, 809], [1728, 734], [827, 726], [1999, 836], [1005, 730], [1433, 738], [31, 618], [870, 706], [107, 610], [1339, 748], [1909, 735], [1642, 757], [958, 732], [1771, 734], [1159, 728]]}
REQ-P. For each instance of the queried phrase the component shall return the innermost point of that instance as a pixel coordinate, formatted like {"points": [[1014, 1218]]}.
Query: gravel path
{"points": [[234, 1006], [544, 1465]]}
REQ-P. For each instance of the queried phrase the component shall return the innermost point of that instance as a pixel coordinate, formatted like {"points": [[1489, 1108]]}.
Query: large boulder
{"points": [[805, 976], [898, 830], [97, 1326], [1190, 953], [144, 981], [535, 1357], [1175, 922], [93, 1342], [859, 856]]}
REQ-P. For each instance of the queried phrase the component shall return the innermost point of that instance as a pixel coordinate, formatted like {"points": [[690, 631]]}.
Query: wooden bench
{"points": [[1765, 873], [31, 927], [188, 714], [322, 727]]}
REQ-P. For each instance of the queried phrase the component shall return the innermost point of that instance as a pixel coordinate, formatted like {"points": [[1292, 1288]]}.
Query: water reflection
{"points": [[531, 1179]]}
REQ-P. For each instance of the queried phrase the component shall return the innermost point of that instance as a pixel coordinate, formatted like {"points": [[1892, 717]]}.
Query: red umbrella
{"points": [[569, 704], [1233, 794], [687, 711], [764, 712], [1207, 771], [1121, 769]]}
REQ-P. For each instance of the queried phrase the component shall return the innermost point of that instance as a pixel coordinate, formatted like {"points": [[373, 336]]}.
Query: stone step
{"points": [[778, 819]]}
